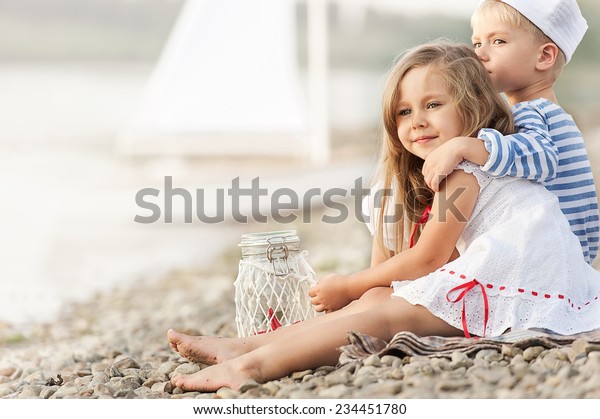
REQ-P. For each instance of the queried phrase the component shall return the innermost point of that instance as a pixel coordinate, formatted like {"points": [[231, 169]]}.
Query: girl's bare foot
{"points": [[230, 374], [207, 350]]}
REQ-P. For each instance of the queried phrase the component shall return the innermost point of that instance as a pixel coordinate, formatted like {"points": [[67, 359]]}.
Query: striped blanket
{"points": [[403, 344]]}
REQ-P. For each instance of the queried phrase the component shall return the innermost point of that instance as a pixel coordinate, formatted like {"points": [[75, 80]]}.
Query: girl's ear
{"points": [[548, 55]]}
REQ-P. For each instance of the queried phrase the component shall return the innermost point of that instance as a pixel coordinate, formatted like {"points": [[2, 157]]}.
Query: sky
{"points": [[462, 8]]}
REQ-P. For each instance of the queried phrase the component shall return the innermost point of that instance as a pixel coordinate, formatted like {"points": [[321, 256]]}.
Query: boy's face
{"points": [[508, 53]]}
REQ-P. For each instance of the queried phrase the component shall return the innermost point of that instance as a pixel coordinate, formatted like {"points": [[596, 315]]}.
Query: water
{"points": [[67, 199], [67, 208], [68, 231]]}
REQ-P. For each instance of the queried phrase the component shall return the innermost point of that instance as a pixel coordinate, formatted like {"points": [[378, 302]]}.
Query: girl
{"points": [[504, 278]]}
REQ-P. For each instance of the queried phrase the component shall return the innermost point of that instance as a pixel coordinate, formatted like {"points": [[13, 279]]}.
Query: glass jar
{"points": [[271, 289]]}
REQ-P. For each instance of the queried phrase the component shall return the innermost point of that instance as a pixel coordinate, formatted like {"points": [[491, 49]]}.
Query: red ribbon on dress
{"points": [[466, 287], [422, 220]]}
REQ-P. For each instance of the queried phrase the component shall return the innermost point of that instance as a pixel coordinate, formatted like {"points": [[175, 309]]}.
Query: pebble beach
{"points": [[114, 347]]}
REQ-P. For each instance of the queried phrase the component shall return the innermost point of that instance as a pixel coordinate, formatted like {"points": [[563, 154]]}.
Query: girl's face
{"points": [[426, 115]]}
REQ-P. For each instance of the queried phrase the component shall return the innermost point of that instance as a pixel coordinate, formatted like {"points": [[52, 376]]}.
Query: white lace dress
{"points": [[518, 253]]}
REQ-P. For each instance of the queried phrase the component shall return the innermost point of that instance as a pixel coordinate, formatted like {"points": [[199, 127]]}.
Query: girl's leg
{"points": [[312, 347], [213, 349]]}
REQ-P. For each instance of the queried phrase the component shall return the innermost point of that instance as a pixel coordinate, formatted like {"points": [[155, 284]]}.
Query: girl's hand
{"points": [[330, 293]]}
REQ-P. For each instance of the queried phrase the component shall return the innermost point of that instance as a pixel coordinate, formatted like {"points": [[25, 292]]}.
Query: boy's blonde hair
{"points": [[477, 103], [510, 16]]}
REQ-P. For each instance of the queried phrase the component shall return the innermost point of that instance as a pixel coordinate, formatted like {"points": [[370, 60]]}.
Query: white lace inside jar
{"points": [[271, 289]]}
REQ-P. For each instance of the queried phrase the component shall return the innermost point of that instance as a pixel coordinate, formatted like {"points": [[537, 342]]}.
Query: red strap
{"points": [[466, 287], [422, 220], [274, 322]]}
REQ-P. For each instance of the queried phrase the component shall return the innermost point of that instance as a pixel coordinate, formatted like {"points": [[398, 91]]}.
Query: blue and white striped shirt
{"points": [[548, 148]]}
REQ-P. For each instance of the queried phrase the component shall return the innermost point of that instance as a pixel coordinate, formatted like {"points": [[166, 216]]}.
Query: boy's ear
{"points": [[548, 54]]}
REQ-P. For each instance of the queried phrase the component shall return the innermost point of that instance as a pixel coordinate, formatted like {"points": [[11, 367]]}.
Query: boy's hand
{"points": [[440, 163], [330, 293], [444, 159]]}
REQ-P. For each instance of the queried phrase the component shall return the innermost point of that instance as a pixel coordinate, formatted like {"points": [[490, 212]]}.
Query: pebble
{"points": [[7, 372], [389, 360], [187, 368], [460, 359], [227, 393], [532, 353], [162, 387], [579, 349], [373, 361], [299, 375], [247, 385]]}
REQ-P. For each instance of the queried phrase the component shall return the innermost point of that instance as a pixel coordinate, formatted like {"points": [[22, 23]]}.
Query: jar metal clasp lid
{"points": [[277, 254]]}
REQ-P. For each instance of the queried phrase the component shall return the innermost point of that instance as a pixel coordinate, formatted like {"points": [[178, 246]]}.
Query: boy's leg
{"points": [[312, 347], [213, 350]]}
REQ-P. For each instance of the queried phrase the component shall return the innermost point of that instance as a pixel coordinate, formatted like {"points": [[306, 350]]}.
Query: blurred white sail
{"points": [[227, 83]]}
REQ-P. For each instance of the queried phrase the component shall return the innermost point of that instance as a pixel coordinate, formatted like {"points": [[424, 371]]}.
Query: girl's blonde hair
{"points": [[512, 17], [478, 105]]}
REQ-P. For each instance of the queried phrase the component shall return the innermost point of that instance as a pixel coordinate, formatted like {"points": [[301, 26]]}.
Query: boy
{"points": [[524, 44]]}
